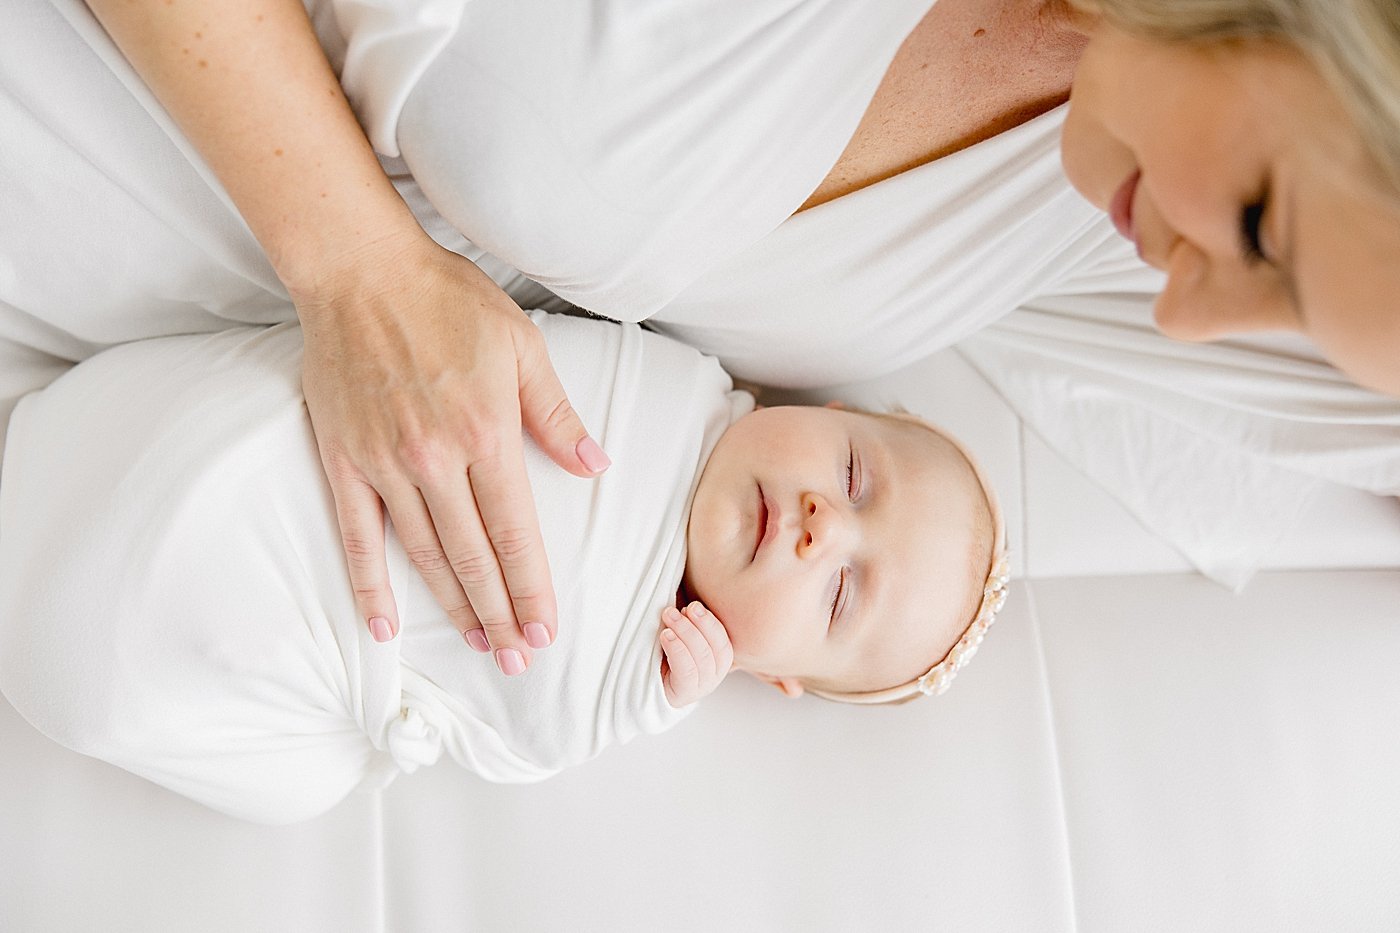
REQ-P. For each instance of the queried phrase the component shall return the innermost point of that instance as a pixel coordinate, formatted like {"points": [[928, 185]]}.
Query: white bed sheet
{"points": [[1135, 748]]}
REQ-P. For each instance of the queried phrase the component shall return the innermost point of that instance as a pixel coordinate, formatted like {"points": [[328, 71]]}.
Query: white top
{"points": [[647, 166], [172, 489], [640, 164]]}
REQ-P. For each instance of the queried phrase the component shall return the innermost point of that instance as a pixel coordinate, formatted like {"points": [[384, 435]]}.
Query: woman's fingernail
{"points": [[536, 635], [696, 609], [672, 614], [380, 630], [592, 455], [477, 639], [510, 661]]}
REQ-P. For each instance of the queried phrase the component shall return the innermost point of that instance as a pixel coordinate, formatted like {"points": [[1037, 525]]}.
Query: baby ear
{"points": [[788, 685]]}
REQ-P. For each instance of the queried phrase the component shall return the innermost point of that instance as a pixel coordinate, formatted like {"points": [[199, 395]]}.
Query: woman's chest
{"points": [[970, 70]]}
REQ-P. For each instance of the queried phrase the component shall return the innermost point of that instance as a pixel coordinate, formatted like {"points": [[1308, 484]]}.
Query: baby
{"points": [[173, 598], [845, 552]]}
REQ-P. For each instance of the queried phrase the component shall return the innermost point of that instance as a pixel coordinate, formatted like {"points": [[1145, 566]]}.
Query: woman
{"points": [[644, 165]]}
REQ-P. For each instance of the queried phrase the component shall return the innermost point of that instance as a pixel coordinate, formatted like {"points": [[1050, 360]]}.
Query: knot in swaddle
{"points": [[413, 741]]}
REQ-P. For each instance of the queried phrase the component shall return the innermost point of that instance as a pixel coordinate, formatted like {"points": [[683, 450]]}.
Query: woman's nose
{"points": [[821, 526], [1208, 297]]}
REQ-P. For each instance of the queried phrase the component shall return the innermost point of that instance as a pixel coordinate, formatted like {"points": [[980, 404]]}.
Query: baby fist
{"points": [[695, 653]]}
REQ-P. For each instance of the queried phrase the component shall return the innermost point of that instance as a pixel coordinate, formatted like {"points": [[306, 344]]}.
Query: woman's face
{"points": [[1236, 170]]}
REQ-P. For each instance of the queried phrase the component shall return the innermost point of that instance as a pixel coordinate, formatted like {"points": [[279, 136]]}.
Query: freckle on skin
{"points": [[203, 63], [260, 17], [199, 35], [277, 152], [979, 33]]}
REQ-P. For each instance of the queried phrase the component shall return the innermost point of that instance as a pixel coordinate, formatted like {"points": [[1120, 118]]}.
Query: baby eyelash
{"points": [[836, 596]]}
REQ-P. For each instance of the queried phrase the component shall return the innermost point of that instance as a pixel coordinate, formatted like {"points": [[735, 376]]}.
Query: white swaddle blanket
{"points": [[174, 600]]}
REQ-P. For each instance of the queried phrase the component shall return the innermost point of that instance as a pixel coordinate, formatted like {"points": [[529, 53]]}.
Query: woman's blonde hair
{"points": [[1354, 43]]}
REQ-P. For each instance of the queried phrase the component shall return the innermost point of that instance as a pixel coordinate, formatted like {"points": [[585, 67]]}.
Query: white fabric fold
{"points": [[174, 600], [388, 44], [1216, 448]]}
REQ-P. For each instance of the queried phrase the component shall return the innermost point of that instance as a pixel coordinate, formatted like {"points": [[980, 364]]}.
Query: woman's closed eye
{"points": [[1251, 237]]}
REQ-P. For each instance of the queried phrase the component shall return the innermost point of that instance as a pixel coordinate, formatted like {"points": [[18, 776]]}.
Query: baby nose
{"points": [[820, 528]]}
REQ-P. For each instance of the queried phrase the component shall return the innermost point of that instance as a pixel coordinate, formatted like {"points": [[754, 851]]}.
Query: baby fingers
{"points": [[698, 653], [682, 676], [716, 638]]}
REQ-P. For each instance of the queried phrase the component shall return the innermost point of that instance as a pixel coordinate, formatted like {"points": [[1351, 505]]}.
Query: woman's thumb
{"points": [[546, 413]]}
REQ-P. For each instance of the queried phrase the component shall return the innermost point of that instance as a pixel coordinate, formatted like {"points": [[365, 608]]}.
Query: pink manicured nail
{"points": [[379, 629], [477, 639], [592, 455], [536, 635], [510, 661]]}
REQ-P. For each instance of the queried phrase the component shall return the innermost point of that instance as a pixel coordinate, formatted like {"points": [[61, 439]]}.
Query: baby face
{"points": [[841, 550]]}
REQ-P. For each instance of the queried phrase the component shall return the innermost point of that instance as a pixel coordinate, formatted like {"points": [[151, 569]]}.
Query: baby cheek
{"points": [[758, 630]]}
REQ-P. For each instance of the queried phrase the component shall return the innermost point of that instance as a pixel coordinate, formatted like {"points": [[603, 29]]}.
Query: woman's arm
{"points": [[400, 334]]}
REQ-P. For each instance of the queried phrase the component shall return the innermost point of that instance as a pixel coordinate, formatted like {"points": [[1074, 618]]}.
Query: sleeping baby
{"points": [[174, 600]]}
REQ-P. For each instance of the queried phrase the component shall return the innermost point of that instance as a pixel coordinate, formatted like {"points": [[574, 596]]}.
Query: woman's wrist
{"points": [[325, 274]]}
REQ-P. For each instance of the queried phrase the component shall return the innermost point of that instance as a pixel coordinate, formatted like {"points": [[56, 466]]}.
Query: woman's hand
{"points": [[419, 372], [695, 654]]}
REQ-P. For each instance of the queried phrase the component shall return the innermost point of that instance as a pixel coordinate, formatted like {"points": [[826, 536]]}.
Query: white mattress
{"points": [[1136, 748]]}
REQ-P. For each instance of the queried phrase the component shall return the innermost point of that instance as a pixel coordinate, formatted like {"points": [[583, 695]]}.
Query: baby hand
{"points": [[695, 653]]}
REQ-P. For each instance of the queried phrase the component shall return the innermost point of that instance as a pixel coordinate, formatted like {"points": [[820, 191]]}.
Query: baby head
{"points": [[847, 554]]}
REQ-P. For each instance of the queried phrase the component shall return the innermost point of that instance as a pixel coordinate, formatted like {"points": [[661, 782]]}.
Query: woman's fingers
{"points": [[546, 413], [421, 544], [501, 490], [359, 512]]}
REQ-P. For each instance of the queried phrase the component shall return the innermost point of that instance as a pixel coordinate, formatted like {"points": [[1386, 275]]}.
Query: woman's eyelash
{"points": [[851, 475], [1251, 219]]}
